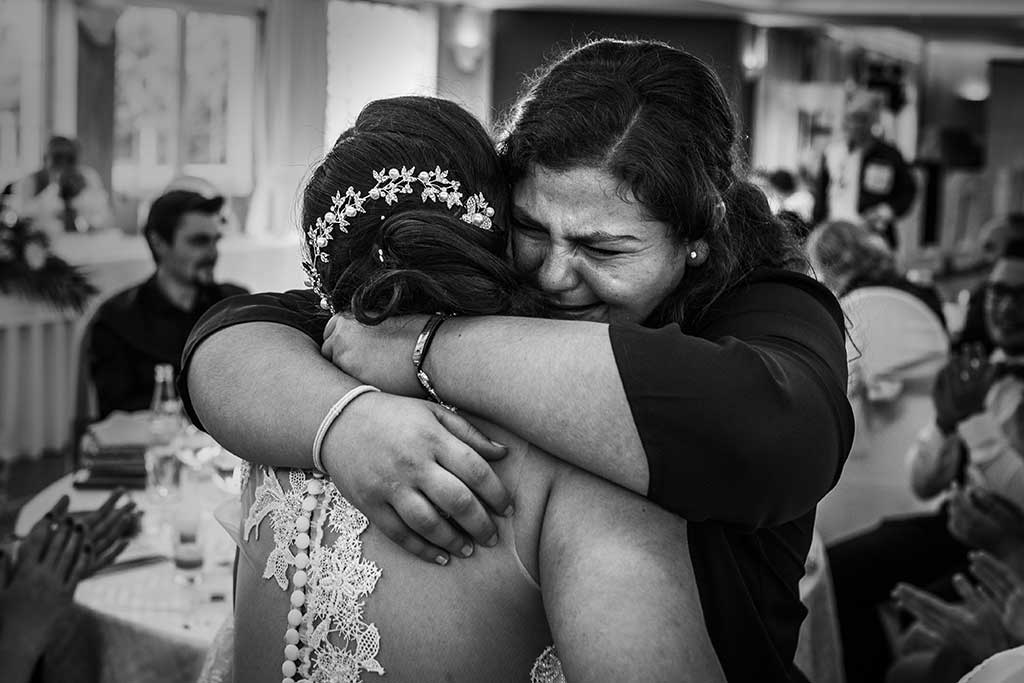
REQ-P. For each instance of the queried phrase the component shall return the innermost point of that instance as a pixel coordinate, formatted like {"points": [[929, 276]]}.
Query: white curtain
{"points": [[290, 105]]}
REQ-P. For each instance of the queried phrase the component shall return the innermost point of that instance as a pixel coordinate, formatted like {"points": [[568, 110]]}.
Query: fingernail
{"points": [[499, 445], [467, 550], [441, 560], [492, 541], [509, 511]]}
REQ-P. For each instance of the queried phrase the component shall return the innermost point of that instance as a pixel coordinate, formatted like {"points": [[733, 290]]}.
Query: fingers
{"points": [[974, 599], [466, 464], [391, 524], [68, 556], [453, 499], [425, 520], [464, 431], [81, 567], [111, 527], [98, 559], [995, 576], [932, 611]]}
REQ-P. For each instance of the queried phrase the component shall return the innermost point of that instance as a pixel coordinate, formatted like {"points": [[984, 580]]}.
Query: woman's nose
{"points": [[557, 272]]}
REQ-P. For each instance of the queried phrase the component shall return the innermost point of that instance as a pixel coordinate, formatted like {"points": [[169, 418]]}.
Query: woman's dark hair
{"points": [[658, 119], [416, 256]]}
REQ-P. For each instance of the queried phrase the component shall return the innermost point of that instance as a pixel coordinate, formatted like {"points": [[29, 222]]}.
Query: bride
{"points": [[407, 214]]}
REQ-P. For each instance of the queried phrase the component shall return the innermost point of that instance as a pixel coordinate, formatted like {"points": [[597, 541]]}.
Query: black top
{"points": [[745, 423], [899, 195], [134, 331]]}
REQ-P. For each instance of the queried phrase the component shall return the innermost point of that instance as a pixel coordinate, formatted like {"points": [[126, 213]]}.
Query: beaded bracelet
{"points": [[419, 355], [329, 419]]}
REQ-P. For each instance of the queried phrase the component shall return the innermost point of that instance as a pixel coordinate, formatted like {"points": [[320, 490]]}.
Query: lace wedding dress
{"points": [[327, 581]]}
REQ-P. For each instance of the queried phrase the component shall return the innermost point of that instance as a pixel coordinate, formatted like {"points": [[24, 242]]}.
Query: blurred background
{"points": [[241, 97]]}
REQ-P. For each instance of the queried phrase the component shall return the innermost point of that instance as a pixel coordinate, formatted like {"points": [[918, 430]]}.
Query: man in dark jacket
{"points": [[862, 177], [147, 325]]}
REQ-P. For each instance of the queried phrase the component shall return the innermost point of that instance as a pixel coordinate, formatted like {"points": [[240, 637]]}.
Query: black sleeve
{"points": [[904, 186], [295, 308], [820, 212], [749, 421]]}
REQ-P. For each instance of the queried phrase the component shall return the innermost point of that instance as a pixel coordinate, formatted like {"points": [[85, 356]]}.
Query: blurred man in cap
{"points": [[147, 325]]}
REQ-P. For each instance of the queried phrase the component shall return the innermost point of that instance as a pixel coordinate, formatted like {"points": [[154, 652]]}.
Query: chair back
{"points": [[896, 347]]}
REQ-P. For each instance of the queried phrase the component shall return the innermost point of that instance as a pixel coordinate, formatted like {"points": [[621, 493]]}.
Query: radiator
{"points": [[38, 368]]}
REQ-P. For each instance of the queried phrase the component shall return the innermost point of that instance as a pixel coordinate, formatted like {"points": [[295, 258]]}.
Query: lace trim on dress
{"points": [[547, 668], [334, 578]]}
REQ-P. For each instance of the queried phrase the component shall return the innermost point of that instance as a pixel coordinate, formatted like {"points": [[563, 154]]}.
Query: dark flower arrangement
{"points": [[28, 269]]}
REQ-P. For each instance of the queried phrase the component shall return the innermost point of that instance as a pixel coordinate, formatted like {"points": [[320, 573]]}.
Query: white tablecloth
{"points": [[149, 627]]}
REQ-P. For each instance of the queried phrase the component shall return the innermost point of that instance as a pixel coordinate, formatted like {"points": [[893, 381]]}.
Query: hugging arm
{"points": [[261, 389], [746, 423], [616, 576]]}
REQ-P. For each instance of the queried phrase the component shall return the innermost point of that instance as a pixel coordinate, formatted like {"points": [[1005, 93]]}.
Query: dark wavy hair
{"points": [[415, 256], [658, 119]]}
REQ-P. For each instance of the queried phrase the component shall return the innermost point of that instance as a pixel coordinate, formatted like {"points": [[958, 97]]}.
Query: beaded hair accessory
{"points": [[437, 187]]}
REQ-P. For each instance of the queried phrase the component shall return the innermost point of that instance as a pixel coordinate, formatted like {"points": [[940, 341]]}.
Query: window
{"points": [[376, 51], [21, 87], [184, 99]]}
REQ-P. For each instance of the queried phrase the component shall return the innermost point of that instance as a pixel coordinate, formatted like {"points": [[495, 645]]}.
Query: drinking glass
{"points": [[163, 473], [187, 543]]}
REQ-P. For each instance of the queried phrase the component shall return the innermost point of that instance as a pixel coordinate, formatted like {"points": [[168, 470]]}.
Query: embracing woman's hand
{"points": [[419, 473], [380, 355]]}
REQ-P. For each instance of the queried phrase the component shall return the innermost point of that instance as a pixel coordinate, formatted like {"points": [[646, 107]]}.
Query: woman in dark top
{"points": [[692, 359]]}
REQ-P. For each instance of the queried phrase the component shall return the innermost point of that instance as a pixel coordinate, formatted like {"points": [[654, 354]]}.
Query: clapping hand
{"points": [[109, 529], [961, 386], [36, 591], [985, 520], [974, 627], [1006, 591]]}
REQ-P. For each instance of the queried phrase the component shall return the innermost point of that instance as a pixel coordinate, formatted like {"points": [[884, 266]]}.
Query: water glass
{"points": [[163, 473], [187, 543]]}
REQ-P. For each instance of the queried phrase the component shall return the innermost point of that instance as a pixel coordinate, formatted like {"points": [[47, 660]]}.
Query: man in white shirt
{"points": [[862, 177]]}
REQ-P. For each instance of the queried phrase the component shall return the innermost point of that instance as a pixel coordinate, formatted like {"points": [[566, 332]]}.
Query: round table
{"points": [[152, 625]]}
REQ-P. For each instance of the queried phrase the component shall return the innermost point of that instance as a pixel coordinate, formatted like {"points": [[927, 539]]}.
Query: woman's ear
{"points": [[697, 253]]}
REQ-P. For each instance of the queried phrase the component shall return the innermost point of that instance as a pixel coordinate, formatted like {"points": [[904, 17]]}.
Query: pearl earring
{"points": [[693, 255]]}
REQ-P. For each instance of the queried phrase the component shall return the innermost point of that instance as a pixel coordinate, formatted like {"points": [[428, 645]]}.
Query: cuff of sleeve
{"points": [[979, 432]]}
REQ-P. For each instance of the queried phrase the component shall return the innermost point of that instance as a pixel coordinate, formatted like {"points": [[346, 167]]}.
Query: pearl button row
{"points": [[299, 579]]}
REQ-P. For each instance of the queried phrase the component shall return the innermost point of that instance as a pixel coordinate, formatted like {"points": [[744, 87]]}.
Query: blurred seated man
{"points": [[975, 448], [64, 195], [994, 236], [862, 177], [147, 325]]}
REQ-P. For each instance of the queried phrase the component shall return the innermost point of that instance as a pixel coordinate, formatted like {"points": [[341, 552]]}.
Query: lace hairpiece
{"points": [[437, 187]]}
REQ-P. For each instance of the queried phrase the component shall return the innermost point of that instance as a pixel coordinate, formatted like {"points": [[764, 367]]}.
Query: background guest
{"points": [[64, 195], [975, 438], [862, 177], [791, 196], [146, 325], [994, 237]]}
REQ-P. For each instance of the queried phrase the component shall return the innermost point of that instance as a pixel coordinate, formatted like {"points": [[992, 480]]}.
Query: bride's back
{"points": [[477, 619]]}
